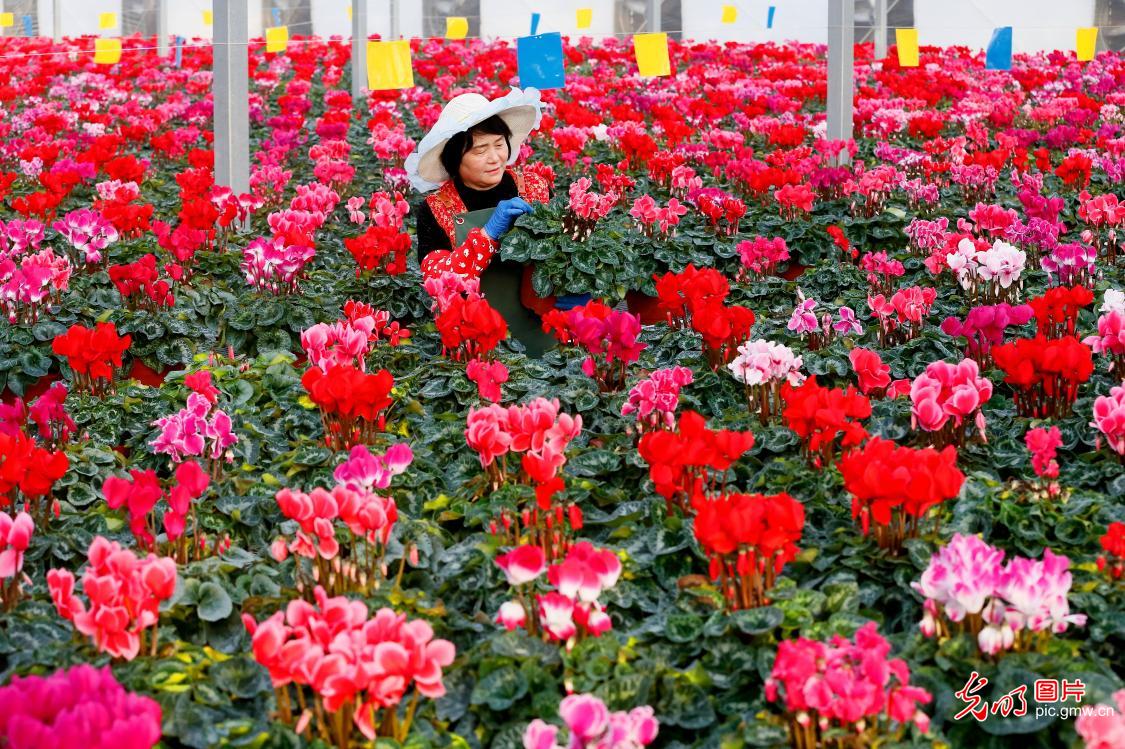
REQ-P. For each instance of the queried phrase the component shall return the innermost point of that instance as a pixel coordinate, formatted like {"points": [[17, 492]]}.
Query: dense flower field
{"points": [[849, 473]]}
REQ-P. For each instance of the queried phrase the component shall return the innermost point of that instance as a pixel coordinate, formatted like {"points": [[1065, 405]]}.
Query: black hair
{"points": [[460, 143]]}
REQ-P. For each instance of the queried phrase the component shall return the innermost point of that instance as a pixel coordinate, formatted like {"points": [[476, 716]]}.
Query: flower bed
{"points": [[867, 452]]}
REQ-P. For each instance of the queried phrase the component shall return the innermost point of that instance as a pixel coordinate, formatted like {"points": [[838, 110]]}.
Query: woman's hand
{"points": [[505, 214]]}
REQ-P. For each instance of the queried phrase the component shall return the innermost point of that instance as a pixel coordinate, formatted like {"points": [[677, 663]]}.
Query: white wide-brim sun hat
{"points": [[520, 109]]}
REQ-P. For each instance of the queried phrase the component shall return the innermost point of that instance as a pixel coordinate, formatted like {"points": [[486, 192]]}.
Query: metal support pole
{"points": [[395, 32], [56, 18], [359, 50], [841, 39], [652, 15], [880, 29], [162, 28], [231, 96]]}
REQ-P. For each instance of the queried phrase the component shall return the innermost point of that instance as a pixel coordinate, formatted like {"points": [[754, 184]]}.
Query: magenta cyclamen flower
{"points": [[985, 325], [1042, 444], [15, 537], [80, 707], [274, 265], [804, 320], [654, 399], [591, 725], [846, 682], [88, 232], [366, 472], [194, 430]]}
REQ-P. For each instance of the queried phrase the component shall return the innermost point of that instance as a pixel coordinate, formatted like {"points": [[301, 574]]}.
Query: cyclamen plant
{"points": [[690, 460], [761, 256], [569, 613], [199, 430], [761, 366], [124, 597], [29, 475], [946, 398], [590, 725], [1112, 562], [749, 538], [82, 706], [895, 487], [990, 275], [540, 434], [275, 265], [15, 537], [1104, 214], [470, 328], [88, 233], [984, 327], [48, 412], [358, 668], [820, 332], [1015, 606], [1045, 373], [1104, 727], [93, 355], [654, 399], [1109, 341], [823, 417], [845, 687], [902, 317], [586, 209], [608, 335], [141, 492], [696, 298], [1043, 443], [357, 565], [1109, 420], [1071, 264]]}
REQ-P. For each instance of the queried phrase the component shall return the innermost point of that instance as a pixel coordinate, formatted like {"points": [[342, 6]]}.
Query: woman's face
{"points": [[482, 166]]}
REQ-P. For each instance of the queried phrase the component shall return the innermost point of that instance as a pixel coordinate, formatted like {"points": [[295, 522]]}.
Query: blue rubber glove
{"points": [[505, 214]]}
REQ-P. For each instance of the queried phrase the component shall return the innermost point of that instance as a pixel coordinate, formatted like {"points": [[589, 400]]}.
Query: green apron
{"points": [[500, 284]]}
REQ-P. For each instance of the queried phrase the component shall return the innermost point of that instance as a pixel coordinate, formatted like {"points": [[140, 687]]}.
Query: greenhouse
{"points": [[603, 374]]}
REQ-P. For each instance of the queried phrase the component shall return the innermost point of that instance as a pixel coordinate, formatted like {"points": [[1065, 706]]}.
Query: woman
{"points": [[477, 196]]}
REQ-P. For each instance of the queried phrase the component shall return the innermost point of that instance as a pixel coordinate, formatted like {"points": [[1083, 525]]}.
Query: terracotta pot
{"points": [[540, 305], [646, 307], [793, 271], [145, 375], [32, 391]]}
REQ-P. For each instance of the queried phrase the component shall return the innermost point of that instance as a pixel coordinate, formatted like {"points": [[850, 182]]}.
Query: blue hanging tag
{"points": [[179, 51], [27, 28], [540, 61], [277, 16], [999, 54], [769, 17], [534, 23]]}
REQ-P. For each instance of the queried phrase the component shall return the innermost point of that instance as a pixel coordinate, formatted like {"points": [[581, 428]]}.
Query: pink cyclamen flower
{"points": [[512, 615], [488, 376], [15, 537], [1042, 444], [1101, 729], [522, 564], [1109, 418]]}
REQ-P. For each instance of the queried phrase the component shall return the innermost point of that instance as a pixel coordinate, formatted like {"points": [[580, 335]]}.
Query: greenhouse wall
{"points": [[1038, 24]]}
